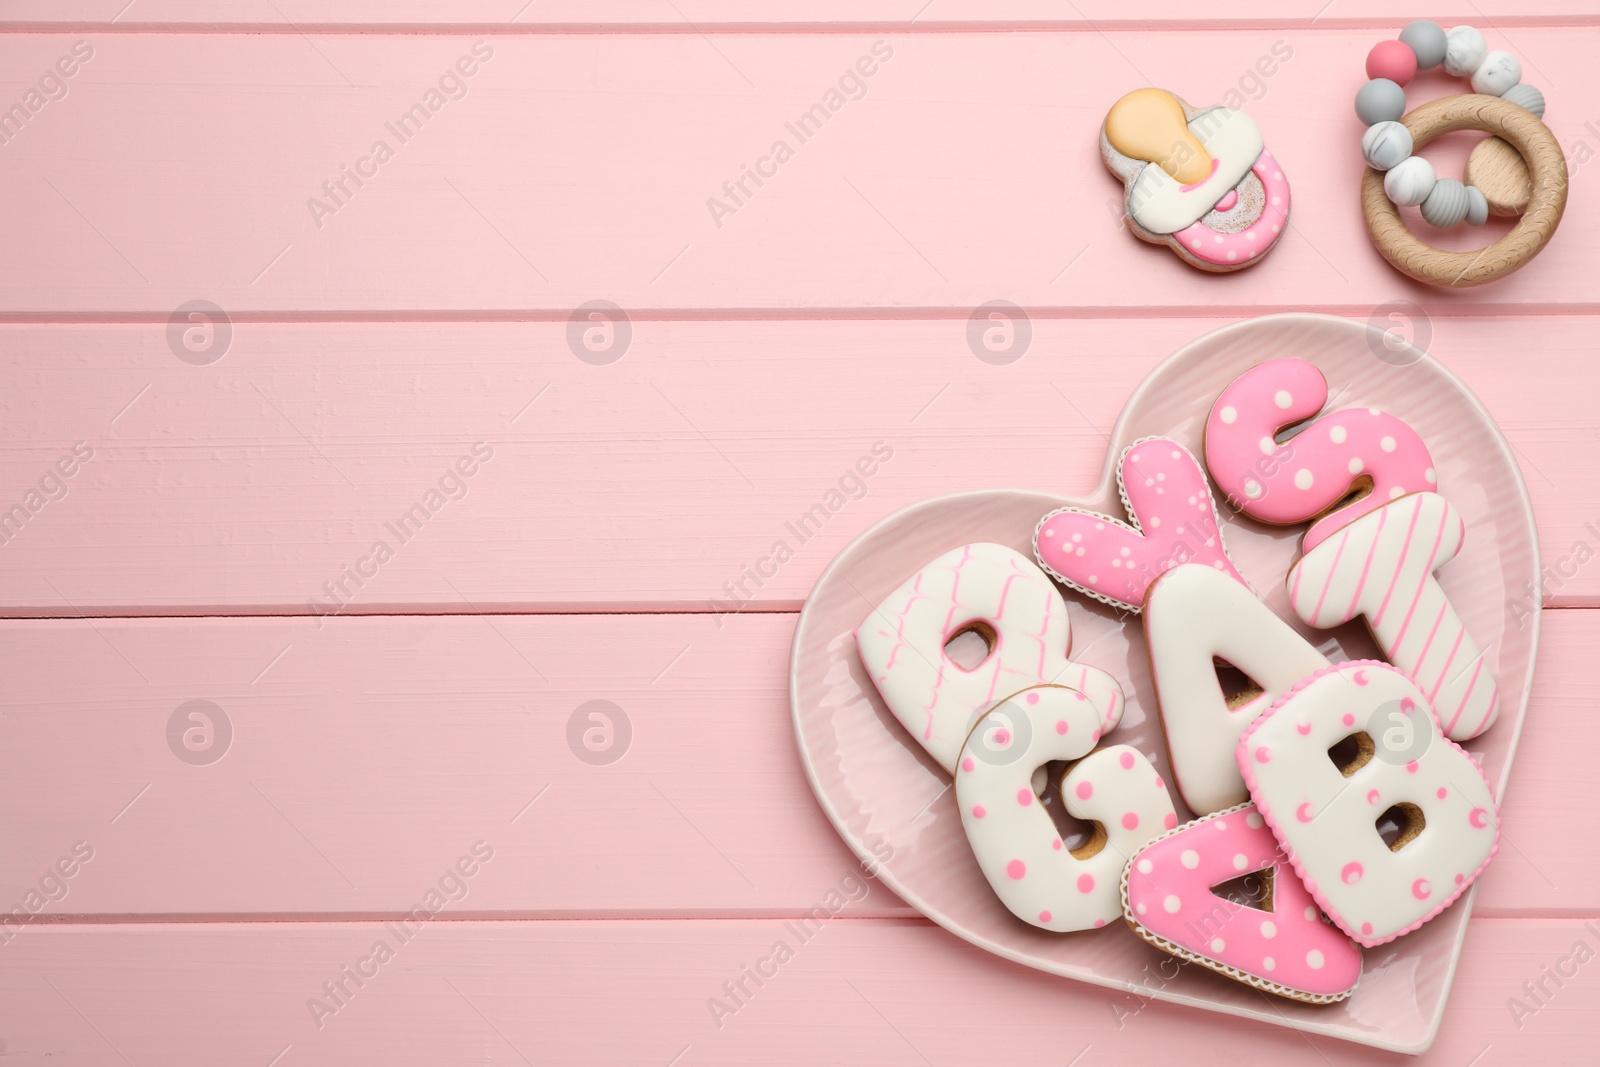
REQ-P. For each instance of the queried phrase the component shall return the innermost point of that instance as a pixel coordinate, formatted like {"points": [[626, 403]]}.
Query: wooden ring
{"points": [[1412, 256]]}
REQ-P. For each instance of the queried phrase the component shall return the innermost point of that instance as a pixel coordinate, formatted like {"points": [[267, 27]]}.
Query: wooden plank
{"points": [[687, 15], [368, 756], [653, 483], [965, 172], [636, 992]]}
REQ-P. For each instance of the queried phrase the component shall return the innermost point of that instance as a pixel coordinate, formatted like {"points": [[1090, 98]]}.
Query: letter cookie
{"points": [[1198, 181], [998, 593], [1310, 473], [1381, 567], [1168, 899], [1174, 518], [1195, 615], [1355, 746], [1034, 874]]}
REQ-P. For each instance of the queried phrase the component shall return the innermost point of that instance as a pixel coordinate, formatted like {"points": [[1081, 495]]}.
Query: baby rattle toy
{"points": [[1196, 180], [1497, 176]]}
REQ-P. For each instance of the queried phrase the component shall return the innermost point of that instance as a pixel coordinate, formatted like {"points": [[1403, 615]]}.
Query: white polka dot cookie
{"points": [[1034, 874], [1352, 747]]}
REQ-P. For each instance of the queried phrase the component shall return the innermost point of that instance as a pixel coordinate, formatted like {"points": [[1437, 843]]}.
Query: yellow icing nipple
{"points": [[1149, 124]]}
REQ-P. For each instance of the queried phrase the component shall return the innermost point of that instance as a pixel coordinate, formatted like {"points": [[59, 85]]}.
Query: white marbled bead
{"points": [[1498, 72], [1477, 206], [1446, 204], [1409, 182], [1464, 49], [1385, 144], [1525, 95]]}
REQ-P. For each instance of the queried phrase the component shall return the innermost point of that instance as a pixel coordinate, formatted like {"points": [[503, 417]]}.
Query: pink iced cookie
{"points": [[1355, 746], [999, 594], [1168, 899], [1034, 874], [1304, 476], [1381, 567], [1174, 521]]}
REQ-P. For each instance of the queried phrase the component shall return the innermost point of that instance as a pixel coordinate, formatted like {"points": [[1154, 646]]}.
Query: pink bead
{"points": [[1393, 60]]}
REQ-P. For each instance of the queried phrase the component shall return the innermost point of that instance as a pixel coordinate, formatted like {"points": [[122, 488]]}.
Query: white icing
{"points": [[1381, 566], [1158, 202], [1012, 836], [1195, 613], [1326, 821], [902, 645]]}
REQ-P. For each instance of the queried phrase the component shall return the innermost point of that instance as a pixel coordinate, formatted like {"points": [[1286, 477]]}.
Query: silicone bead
{"points": [[1477, 207], [1526, 96], [1393, 60], [1498, 72], [1385, 144], [1464, 50], [1409, 182], [1427, 42], [1380, 100], [1446, 205]]}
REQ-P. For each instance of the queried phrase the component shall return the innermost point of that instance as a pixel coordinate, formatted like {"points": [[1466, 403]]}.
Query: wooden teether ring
{"points": [[1547, 167], [1496, 170]]}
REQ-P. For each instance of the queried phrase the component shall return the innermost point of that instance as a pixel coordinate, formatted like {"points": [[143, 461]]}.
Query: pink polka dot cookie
{"points": [[1380, 568], [1199, 181], [1035, 875], [1174, 521], [994, 592], [1172, 897], [1285, 478], [1386, 821]]}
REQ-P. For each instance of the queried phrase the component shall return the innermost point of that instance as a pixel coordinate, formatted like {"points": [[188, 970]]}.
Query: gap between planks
{"points": [[725, 29]]}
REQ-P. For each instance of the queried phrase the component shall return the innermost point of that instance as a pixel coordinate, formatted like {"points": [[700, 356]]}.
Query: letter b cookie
{"points": [[1352, 746]]}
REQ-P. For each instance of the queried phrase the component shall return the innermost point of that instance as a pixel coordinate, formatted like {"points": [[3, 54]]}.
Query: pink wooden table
{"points": [[571, 514]]}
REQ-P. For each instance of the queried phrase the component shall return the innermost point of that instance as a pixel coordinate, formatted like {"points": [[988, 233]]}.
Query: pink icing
{"points": [[1225, 249], [1168, 892], [1304, 476], [1174, 521], [1479, 818]]}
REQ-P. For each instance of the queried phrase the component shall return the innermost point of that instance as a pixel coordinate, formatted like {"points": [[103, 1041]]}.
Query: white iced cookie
{"points": [[1381, 567], [1031, 870], [999, 594], [1353, 747], [1193, 616]]}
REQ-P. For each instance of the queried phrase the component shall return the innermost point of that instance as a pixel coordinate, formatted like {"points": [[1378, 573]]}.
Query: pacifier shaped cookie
{"points": [[1197, 180]]}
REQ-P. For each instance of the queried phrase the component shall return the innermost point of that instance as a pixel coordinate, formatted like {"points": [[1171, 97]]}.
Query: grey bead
{"points": [[1427, 41], [1525, 95], [1477, 207], [1446, 205], [1385, 144], [1380, 100]]}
